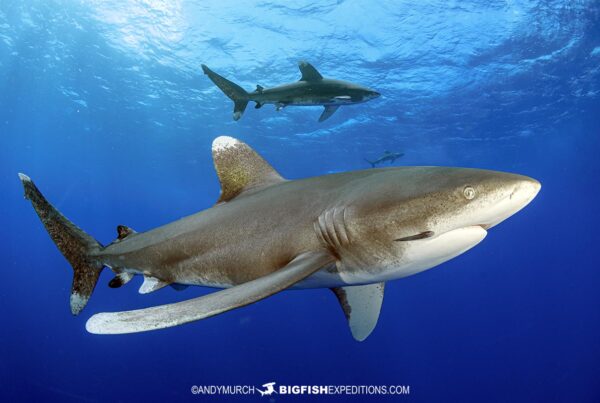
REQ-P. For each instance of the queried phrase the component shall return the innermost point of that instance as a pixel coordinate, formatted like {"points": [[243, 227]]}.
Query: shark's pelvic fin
{"points": [[309, 73], [328, 111], [240, 168], [160, 317], [361, 305], [120, 279], [151, 284], [75, 245]]}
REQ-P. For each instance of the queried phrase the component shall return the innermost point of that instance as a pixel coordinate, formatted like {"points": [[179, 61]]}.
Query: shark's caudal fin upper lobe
{"points": [[74, 244], [237, 94]]}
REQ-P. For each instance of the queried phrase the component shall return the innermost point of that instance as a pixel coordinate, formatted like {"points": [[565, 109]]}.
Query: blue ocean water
{"points": [[104, 105]]}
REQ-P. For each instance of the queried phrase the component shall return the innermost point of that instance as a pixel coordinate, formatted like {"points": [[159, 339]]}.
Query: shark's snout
{"points": [[515, 196], [373, 94], [526, 190]]}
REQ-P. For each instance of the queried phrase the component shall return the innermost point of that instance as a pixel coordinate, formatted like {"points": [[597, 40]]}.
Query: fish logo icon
{"points": [[269, 389]]}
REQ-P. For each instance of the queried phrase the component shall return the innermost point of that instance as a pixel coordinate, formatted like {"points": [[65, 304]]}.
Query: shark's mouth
{"points": [[431, 234], [422, 235]]}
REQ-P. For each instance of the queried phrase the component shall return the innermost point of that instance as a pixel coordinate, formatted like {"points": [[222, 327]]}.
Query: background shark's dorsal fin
{"points": [[361, 305], [309, 73], [240, 168]]}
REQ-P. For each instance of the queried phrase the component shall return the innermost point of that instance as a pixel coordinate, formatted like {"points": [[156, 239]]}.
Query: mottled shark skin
{"points": [[312, 89], [350, 232]]}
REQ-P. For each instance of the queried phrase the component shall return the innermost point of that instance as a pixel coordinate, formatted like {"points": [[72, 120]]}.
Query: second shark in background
{"points": [[311, 90], [388, 156]]}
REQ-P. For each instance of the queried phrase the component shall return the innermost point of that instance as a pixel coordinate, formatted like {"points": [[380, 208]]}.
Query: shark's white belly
{"points": [[417, 256]]}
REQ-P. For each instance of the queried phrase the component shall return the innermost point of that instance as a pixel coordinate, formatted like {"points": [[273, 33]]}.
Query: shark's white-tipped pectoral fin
{"points": [[160, 317], [361, 305], [328, 111]]}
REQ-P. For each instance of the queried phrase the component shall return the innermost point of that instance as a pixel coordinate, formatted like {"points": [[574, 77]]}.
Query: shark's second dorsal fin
{"points": [[240, 168], [309, 73], [123, 232]]}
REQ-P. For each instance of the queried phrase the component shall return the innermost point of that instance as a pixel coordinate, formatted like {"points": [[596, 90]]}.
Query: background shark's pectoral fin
{"points": [[240, 168], [328, 111], [361, 305], [164, 316], [309, 73], [152, 284]]}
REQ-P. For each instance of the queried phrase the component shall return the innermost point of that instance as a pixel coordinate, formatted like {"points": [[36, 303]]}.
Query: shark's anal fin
{"points": [[160, 317], [309, 73], [120, 279], [151, 284], [361, 305], [328, 111], [240, 168]]}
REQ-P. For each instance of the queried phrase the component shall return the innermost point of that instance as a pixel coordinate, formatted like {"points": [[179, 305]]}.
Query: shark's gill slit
{"points": [[422, 235]]}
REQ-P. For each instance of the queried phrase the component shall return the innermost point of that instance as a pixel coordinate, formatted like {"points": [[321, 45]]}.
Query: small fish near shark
{"points": [[312, 89], [388, 156], [350, 232]]}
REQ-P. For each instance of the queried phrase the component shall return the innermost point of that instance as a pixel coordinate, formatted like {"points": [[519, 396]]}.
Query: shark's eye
{"points": [[469, 192]]}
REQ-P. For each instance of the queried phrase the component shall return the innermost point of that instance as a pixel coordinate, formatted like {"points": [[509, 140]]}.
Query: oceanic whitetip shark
{"points": [[350, 232], [388, 156], [312, 89]]}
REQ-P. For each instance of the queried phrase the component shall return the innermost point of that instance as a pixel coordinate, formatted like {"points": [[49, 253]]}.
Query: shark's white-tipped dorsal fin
{"points": [[361, 305], [152, 284], [240, 168], [309, 73]]}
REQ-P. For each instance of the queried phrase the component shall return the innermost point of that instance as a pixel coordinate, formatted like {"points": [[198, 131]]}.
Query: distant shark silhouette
{"points": [[350, 232], [312, 89], [387, 156]]}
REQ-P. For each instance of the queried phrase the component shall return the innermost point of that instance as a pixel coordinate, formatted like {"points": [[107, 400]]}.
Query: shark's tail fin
{"points": [[370, 162], [77, 246], [237, 94]]}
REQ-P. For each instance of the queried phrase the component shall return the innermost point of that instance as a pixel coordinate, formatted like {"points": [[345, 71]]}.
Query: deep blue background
{"points": [[104, 106]]}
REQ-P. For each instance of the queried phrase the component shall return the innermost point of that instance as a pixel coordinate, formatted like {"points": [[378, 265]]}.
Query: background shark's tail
{"points": [[74, 244], [370, 162], [237, 94]]}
